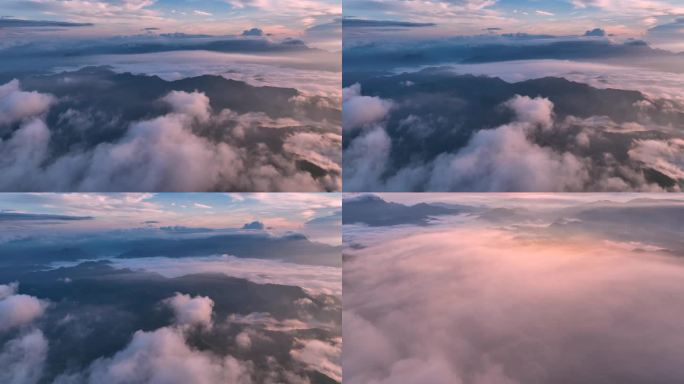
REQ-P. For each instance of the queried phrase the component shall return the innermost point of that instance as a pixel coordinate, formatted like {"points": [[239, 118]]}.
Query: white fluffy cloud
{"points": [[17, 309], [17, 105], [365, 160], [359, 111], [165, 154], [7, 290], [514, 157], [320, 356], [505, 159], [191, 311], [243, 340], [664, 156], [194, 104], [300, 8], [23, 357], [162, 356]]}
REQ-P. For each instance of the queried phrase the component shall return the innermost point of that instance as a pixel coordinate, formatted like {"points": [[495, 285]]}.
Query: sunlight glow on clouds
{"points": [[479, 301]]}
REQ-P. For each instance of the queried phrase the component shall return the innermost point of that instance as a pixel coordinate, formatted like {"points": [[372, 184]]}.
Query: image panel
{"points": [[170, 288], [170, 96], [513, 288], [513, 96]]}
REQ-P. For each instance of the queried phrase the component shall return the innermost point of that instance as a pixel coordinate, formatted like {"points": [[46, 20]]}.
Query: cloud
{"points": [[365, 23], [536, 111], [501, 159], [201, 13], [358, 110], [253, 32], [313, 279], [560, 299], [504, 159], [19, 23], [243, 340], [668, 35], [666, 156], [18, 309], [534, 137], [366, 159], [201, 206], [268, 322], [194, 104], [106, 11], [191, 311], [320, 356], [598, 32], [17, 105], [257, 225], [163, 356], [631, 7], [298, 8], [654, 84], [543, 13], [7, 290], [22, 359], [16, 216], [173, 152]]}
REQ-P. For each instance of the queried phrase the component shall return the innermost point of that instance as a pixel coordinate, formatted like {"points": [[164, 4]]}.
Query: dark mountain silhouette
{"points": [[376, 212]]}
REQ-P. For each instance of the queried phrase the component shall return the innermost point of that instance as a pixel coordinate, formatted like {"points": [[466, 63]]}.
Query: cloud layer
{"points": [[190, 148], [427, 130], [445, 304]]}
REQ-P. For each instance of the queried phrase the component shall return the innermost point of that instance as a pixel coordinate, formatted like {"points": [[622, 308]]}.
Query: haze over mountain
{"points": [[158, 96], [176, 287], [513, 96], [531, 286]]}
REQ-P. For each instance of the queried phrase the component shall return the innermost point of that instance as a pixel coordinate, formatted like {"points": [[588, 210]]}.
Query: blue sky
{"points": [[281, 212], [279, 17], [621, 19]]}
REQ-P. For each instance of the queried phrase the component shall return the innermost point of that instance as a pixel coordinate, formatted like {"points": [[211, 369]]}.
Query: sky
{"points": [[513, 288], [172, 288], [214, 17], [280, 213], [513, 96], [263, 75], [656, 21]]}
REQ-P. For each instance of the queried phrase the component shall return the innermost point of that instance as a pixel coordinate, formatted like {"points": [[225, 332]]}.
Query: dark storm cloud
{"points": [[236, 136], [446, 131], [19, 23], [365, 23], [16, 216]]}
